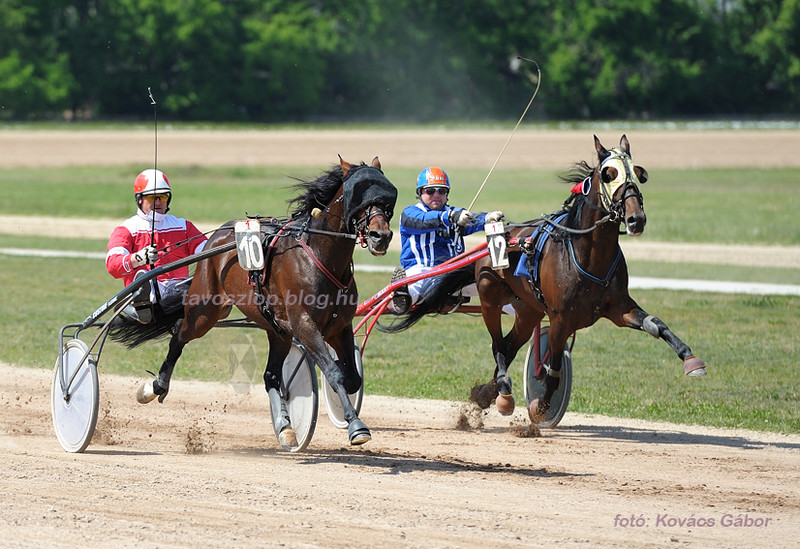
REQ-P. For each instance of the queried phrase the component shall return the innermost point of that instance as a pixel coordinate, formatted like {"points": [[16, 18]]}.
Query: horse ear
{"points": [[602, 153], [625, 145], [641, 174], [376, 163], [345, 165]]}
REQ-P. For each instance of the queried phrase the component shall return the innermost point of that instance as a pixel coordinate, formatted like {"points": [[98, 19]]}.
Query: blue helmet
{"points": [[432, 177]]}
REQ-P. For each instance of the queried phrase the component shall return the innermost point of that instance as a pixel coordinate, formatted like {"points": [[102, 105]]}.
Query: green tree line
{"points": [[398, 60]]}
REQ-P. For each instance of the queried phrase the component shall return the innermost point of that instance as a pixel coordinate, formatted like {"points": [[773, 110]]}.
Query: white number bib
{"points": [[248, 244], [496, 240]]}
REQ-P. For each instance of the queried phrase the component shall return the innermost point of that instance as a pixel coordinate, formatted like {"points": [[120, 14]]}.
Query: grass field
{"points": [[743, 206], [749, 342]]}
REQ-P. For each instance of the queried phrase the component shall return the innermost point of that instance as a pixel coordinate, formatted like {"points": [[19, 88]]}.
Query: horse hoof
{"points": [[537, 412], [288, 438], [694, 366], [505, 404], [145, 393], [358, 432]]}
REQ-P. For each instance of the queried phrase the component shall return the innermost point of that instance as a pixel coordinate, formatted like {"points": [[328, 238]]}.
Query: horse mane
{"points": [[318, 193], [573, 206]]}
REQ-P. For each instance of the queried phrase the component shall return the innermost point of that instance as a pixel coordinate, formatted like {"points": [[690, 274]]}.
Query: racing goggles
{"points": [[154, 197]]}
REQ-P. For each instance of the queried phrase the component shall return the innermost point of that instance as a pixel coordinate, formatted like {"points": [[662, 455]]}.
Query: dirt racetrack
{"points": [[529, 148], [204, 469]]}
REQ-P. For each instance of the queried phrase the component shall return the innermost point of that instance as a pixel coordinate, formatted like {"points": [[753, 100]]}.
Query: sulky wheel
{"points": [[299, 390], [75, 396], [534, 380]]}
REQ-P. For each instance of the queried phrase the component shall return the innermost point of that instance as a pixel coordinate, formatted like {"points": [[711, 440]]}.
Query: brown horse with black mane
{"points": [[574, 272], [309, 254]]}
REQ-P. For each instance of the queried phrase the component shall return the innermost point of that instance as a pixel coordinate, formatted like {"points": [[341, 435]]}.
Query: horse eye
{"points": [[641, 173]]}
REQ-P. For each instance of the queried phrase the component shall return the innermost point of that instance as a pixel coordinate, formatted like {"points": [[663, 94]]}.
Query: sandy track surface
{"points": [[409, 148], [204, 470]]}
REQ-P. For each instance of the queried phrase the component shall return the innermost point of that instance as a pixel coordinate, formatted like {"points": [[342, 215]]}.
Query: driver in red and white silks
{"points": [[141, 242]]}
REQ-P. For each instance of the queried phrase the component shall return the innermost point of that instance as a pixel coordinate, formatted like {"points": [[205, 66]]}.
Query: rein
{"points": [[306, 229], [549, 219], [602, 281], [359, 226], [303, 229], [169, 249], [288, 230], [324, 269]]}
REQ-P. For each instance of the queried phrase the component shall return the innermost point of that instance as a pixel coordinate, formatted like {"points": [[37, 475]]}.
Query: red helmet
{"points": [[151, 182]]}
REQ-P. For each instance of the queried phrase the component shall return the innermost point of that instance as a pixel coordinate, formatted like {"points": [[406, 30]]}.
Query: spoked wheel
{"points": [[332, 402], [299, 390], [74, 404], [534, 380]]}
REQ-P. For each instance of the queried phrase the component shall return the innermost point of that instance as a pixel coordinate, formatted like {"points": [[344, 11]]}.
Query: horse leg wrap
{"points": [[161, 385], [552, 382], [504, 384], [551, 372], [161, 389], [277, 406], [650, 326]]}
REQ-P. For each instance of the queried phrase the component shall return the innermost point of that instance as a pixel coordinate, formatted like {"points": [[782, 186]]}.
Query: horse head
{"points": [[618, 179], [369, 200]]}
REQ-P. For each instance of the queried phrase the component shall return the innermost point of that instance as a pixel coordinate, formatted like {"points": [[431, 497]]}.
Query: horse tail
{"points": [[434, 298], [132, 333]]}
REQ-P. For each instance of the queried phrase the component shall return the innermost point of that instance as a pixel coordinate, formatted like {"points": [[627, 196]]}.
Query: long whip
{"points": [[155, 163], [155, 171], [536, 91]]}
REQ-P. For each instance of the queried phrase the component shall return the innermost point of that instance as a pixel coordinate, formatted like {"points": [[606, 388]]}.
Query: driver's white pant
{"points": [[418, 288]]}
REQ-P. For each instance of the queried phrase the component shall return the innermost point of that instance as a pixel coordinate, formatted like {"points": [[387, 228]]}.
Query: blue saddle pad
{"points": [[539, 236], [522, 268]]}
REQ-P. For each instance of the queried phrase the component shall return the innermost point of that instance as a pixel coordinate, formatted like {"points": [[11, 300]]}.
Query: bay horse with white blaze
{"points": [[309, 254], [575, 273]]}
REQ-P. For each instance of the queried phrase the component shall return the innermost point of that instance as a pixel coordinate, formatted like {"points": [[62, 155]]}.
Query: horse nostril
{"points": [[637, 221], [380, 235]]}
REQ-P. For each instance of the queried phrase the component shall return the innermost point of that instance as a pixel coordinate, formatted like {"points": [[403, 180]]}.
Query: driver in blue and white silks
{"points": [[431, 232]]}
